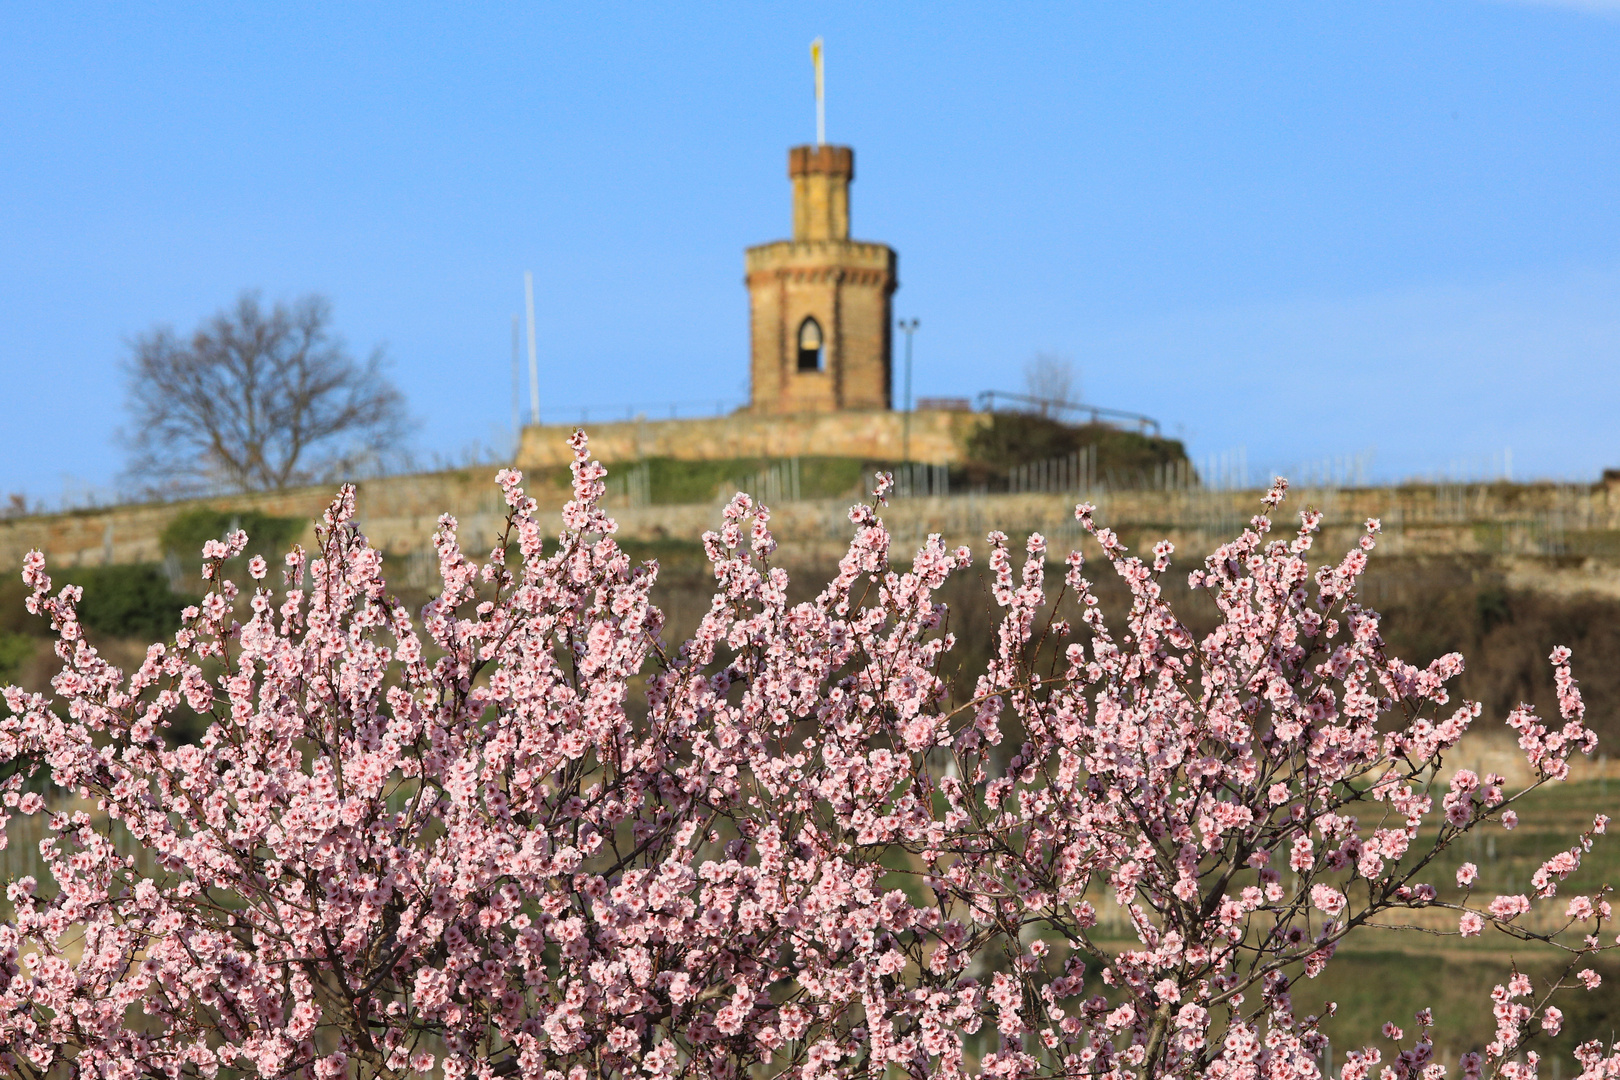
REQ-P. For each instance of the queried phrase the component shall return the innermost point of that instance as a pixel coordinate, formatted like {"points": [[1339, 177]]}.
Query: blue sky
{"points": [[1309, 230]]}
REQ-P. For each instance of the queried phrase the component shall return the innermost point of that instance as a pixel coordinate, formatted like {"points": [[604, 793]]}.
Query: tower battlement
{"points": [[821, 177]]}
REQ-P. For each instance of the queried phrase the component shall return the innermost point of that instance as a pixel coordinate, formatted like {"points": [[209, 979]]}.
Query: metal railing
{"points": [[776, 483], [1010, 402], [639, 410], [1078, 472], [913, 480]]}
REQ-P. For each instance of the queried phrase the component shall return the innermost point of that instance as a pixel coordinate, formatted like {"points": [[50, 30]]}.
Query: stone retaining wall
{"points": [[399, 515], [937, 436]]}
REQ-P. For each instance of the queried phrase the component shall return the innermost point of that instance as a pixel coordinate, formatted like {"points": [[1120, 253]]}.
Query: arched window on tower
{"points": [[810, 345]]}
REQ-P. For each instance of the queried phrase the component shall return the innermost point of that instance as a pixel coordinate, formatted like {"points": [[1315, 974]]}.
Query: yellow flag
{"points": [[821, 115]]}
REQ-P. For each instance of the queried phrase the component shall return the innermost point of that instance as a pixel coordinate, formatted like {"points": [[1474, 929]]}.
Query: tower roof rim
{"points": [[826, 159]]}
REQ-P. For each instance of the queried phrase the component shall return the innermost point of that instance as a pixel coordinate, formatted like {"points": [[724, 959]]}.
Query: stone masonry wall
{"points": [[845, 286], [1542, 530], [937, 437], [398, 514]]}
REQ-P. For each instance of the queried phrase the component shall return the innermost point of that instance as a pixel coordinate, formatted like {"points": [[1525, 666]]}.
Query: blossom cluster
{"points": [[520, 833]]}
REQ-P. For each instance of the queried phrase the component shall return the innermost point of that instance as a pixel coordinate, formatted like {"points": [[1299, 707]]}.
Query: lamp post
{"points": [[910, 328]]}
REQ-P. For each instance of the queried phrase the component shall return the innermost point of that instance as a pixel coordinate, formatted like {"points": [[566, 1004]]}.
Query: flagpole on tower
{"points": [[821, 100]]}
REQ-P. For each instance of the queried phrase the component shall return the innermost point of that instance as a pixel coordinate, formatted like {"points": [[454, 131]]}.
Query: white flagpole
{"points": [[821, 102], [517, 383], [534, 364]]}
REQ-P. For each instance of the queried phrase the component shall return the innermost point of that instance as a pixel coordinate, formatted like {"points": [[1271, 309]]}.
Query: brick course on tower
{"points": [[819, 303]]}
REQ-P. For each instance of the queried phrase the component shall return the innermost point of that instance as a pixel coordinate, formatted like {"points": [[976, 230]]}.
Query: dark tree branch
{"points": [[257, 400]]}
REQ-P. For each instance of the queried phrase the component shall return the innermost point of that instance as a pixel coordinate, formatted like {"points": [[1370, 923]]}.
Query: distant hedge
{"points": [[127, 601], [268, 536], [1123, 458], [1020, 438], [120, 601], [15, 649]]}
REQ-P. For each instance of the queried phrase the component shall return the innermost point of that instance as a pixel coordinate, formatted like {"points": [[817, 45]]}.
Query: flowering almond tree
{"points": [[518, 836]]}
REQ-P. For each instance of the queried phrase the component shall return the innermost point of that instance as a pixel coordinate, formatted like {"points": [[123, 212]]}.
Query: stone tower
{"points": [[819, 303]]}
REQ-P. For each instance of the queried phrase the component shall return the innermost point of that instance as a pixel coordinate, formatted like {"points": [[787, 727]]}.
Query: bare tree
{"points": [[258, 400], [1052, 378]]}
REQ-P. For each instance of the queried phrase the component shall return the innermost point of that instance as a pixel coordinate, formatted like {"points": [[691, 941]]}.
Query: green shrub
{"points": [[1124, 458], [671, 481], [15, 649], [127, 601], [268, 536], [119, 601], [14, 617]]}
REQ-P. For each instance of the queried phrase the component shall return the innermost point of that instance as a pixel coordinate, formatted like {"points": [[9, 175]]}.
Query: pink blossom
{"points": [[527, 825], [1508, 907], [1327, 898]]}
